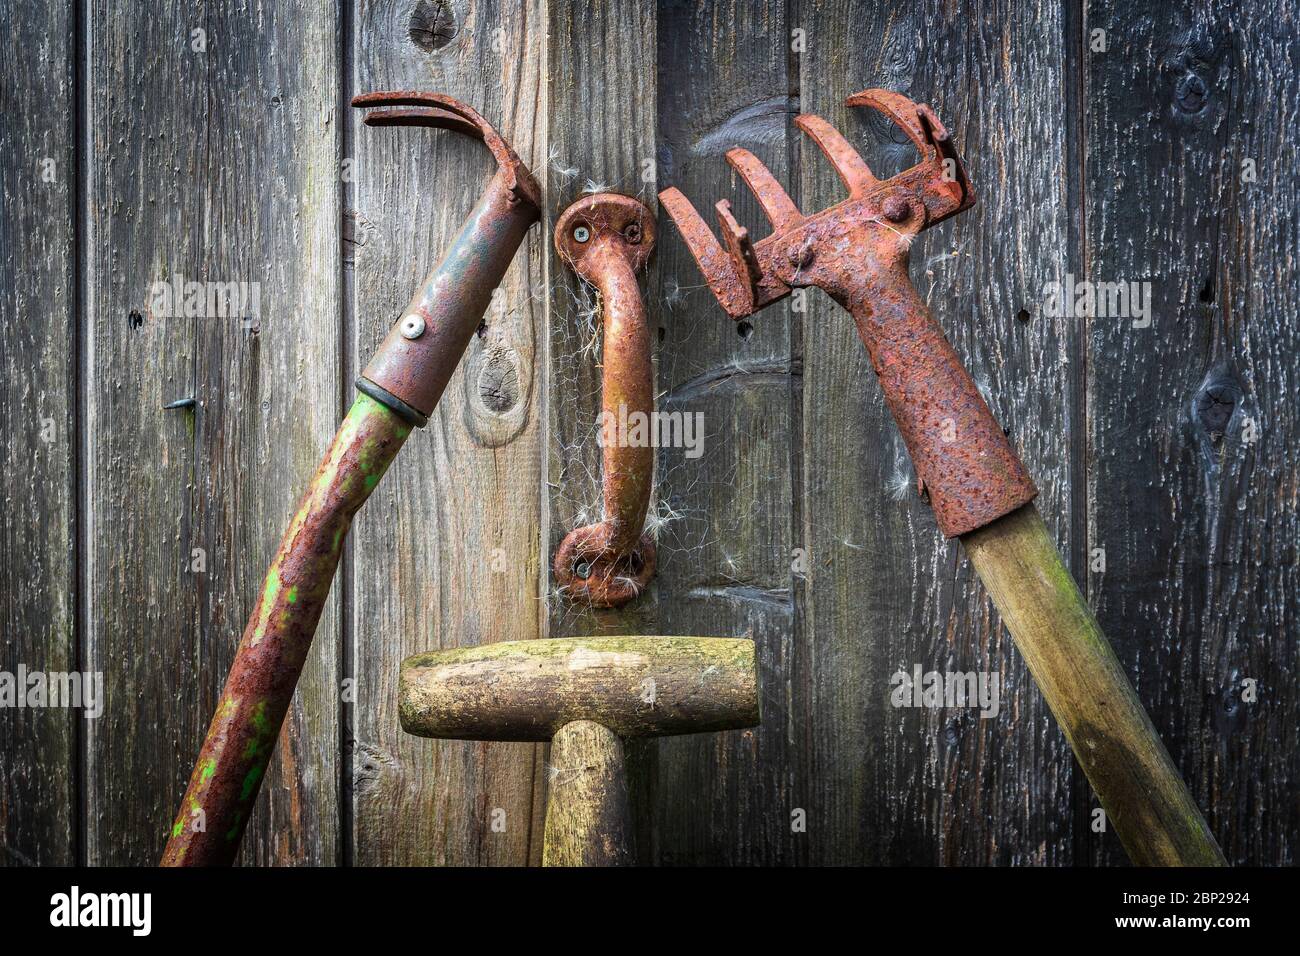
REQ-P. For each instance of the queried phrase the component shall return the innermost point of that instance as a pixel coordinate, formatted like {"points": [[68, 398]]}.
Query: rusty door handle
{"points": [[606, 238]]}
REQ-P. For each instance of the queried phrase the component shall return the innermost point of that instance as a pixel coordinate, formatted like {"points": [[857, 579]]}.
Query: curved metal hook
{"points": [[438, 111], [412, 366]]}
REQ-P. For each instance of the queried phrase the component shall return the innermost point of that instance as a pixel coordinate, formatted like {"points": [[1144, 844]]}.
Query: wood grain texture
{"points": [[588, 821], [601, 103], [38, 414], [1144, 796], [1199, 521], [222, 165], [726, 554], [635, 685], [217, 164], [447, 552], [885, 592]]}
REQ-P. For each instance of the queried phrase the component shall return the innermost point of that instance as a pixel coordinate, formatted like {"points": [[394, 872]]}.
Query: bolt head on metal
{"points": [[412, 327], [896, 208], [632, 232], [581, 234], [801, 256]]}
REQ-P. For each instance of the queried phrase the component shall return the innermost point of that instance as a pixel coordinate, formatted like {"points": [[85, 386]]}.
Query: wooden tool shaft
{"points": [[587, 818], [1137, 783]]}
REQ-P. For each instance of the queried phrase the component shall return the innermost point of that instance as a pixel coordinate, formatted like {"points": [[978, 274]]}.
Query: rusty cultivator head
{"points": [[414, 363], [857, 252]]}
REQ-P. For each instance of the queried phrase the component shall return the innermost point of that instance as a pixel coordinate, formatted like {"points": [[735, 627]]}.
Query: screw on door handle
{"points": [[606, 238]]}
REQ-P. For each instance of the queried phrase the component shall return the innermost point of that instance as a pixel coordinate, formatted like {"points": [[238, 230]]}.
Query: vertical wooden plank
{"points": [[885, 592], [213, 158], [725, 547], [601, 101], [446, 552], [1192, 417], [38, 334]]}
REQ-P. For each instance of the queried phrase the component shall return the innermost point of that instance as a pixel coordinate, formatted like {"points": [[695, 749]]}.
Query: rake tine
{"points": [[424, 116], [775, 201], [852, 169], [739, 245], [734, 292], [905, 114]]}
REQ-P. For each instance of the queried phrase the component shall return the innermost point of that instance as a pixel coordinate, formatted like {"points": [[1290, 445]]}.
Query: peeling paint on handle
{"points": [[271, 655]]}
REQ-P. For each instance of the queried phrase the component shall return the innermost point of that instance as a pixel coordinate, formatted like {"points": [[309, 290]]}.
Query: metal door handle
{"points": [[606, 238]]}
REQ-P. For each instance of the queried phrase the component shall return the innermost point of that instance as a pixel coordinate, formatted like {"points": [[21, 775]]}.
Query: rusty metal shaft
{"points": [[964, 461], [273, 650]]}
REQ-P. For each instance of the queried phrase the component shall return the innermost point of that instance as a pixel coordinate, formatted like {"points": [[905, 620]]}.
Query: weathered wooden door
{"points": [[149, 144]]}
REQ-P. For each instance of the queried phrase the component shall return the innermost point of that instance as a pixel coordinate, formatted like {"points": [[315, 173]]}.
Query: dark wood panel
{"points": [[601, 99], [213, 138], [214, 155], [446, 552], [726, 554], [38, 414], [885, 592], [1192, 419]]}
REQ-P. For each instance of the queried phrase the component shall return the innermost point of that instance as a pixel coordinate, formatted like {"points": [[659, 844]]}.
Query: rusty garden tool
{"points": [[606, 239], [399, 389], [857, 251], [585, 695]]}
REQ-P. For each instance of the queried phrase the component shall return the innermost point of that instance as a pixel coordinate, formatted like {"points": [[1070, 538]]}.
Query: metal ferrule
{"points": [[451, 302]]}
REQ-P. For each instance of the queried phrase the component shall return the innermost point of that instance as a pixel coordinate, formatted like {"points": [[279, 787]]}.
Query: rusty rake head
{"points": [[443, 112], [747, 276]]}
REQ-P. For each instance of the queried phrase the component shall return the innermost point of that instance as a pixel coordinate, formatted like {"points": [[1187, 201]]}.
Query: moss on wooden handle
{"points": [[587, 818], [1141, 790], [635, 686]]}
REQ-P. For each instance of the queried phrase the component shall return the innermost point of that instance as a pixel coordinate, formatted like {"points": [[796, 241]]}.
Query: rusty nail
{"points": [[801, 255], [896, 208], [180, 403]]}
